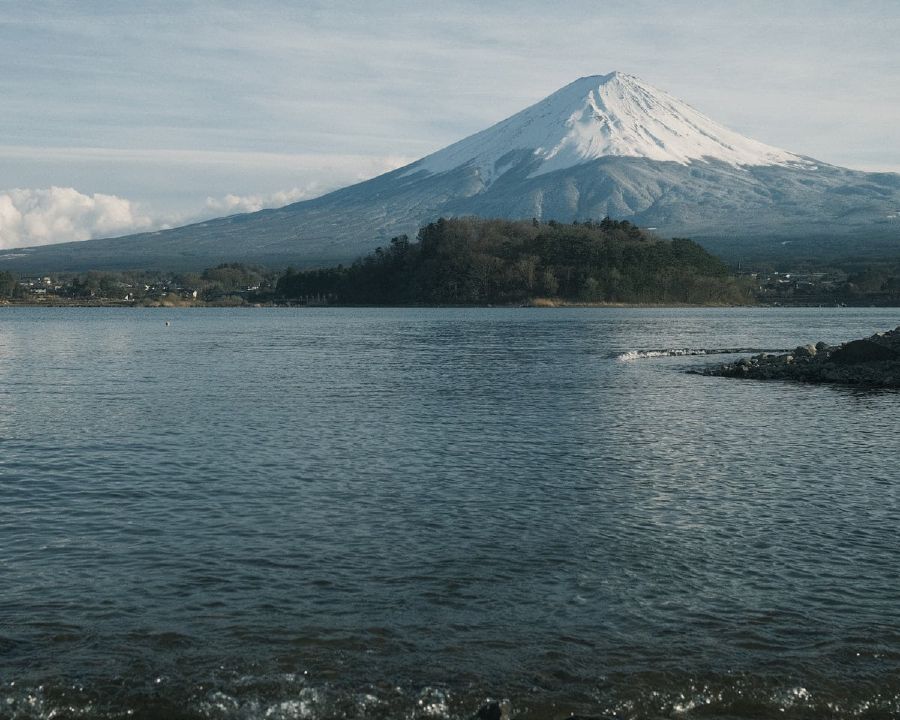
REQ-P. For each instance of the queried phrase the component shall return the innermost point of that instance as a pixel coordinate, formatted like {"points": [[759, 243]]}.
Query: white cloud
{"points": [[46, 216], [61, 214], [231, 204]]}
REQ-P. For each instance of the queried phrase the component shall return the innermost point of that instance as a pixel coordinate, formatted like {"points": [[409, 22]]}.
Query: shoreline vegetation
{"points": [[536, 303], [471, 262]]}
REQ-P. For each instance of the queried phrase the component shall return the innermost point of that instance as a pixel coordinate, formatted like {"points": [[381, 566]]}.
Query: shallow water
{"points": [[404, 513]]}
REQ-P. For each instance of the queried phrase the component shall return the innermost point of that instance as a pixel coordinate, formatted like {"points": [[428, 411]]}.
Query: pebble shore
{"points": [[869, 362]]}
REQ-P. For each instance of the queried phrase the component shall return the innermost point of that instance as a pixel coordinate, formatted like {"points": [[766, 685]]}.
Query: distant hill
{"points": [[603, 145], [473, 261]]}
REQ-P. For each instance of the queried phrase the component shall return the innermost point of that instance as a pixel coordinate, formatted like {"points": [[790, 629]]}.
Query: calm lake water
{"points": [[336, 513]]}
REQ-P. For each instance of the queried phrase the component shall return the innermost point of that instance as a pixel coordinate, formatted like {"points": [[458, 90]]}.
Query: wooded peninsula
{"points": [[471, 261]]}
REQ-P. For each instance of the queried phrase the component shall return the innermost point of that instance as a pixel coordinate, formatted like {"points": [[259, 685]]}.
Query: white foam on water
{"points": [[632, 355], [433, 702]]}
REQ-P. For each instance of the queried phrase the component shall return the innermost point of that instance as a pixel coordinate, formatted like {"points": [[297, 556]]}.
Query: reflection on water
{"points": [[386, 513]]}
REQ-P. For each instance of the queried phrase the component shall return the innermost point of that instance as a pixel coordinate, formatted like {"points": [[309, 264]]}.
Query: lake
{"points": [[406, 513]]}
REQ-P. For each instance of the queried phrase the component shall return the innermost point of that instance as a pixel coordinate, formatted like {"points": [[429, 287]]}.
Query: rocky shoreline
{"points": [[869, 362]]}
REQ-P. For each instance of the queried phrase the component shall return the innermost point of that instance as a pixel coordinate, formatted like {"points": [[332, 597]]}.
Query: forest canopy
{"points": [[476, 261]]}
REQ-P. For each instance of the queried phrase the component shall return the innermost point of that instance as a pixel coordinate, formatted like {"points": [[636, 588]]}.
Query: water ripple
{"points": [[405, 513]]}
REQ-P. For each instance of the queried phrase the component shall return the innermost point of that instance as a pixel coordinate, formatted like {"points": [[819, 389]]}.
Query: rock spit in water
{"points": [[871, 362]]}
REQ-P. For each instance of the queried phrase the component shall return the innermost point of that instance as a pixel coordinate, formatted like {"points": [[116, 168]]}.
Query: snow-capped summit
{"points": [[602, 145], [599, 116]]}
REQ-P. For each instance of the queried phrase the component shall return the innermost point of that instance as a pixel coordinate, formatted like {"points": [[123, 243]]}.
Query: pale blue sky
{"points": [[170, 103]]}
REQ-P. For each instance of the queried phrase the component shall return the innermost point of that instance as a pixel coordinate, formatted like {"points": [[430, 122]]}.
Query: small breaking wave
{"points": [[632, 355], [291, 697]]}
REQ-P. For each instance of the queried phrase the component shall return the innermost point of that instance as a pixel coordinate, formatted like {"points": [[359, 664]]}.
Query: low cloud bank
{"points": [[61, 214], [232, 204], [30, 217]]}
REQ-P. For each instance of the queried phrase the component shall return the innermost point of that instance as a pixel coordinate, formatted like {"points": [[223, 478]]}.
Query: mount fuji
{"points": [[602, 145]]}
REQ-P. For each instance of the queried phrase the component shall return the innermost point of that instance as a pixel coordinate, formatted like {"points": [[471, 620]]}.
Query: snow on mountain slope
{"points": [[600, 116], [603, 145]]}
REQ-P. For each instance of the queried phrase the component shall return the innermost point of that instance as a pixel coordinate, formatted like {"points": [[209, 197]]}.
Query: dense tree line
{"points": [[876, 281], [8, 285], [475, 261], [472, 261]]}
